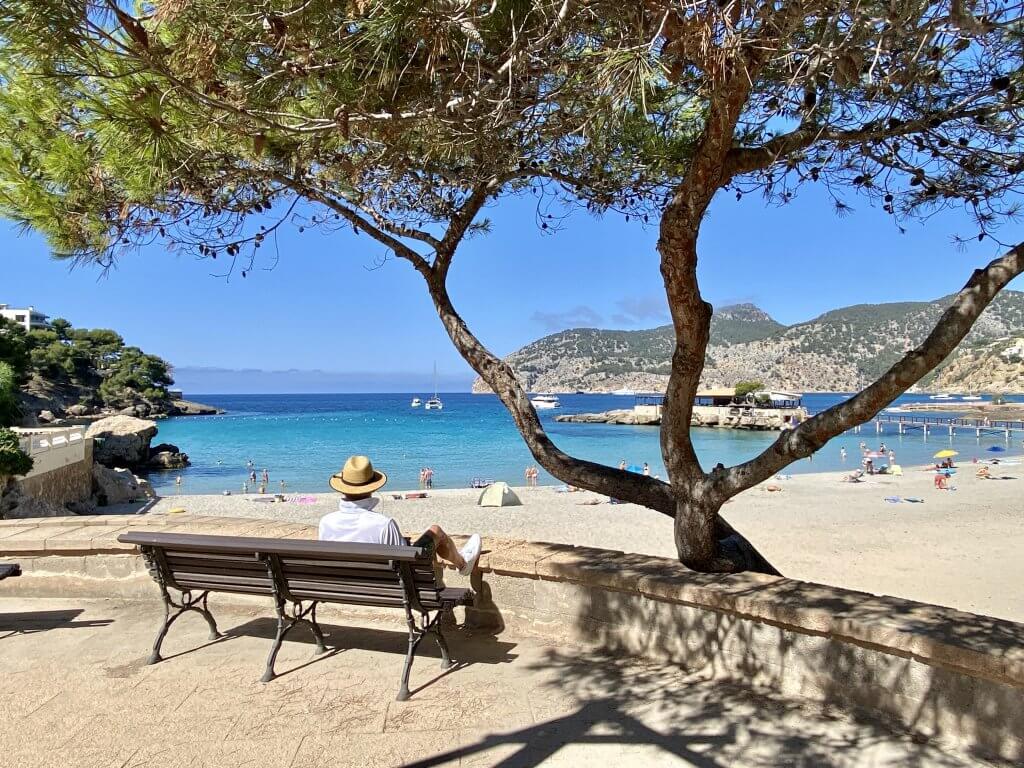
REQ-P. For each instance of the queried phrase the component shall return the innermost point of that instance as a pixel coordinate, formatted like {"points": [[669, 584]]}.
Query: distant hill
{"points": [[842, 350]]}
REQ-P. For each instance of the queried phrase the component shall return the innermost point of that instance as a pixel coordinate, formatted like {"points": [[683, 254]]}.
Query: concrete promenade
{"points": [[75, 692]]}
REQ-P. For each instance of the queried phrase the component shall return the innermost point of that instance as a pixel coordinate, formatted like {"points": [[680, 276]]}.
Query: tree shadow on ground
{"points": [[832, 647], [29, 622], [663, 716]]}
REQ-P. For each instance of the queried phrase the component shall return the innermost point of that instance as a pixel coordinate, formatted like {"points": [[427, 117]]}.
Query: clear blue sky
{"points": [[334, 324]]}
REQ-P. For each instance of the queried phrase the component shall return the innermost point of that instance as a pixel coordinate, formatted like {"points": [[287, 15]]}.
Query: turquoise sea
{"points": [[303, 439]]}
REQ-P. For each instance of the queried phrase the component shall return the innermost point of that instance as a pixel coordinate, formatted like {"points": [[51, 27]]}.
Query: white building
{"points": [[1013, 353], [27, 318]]}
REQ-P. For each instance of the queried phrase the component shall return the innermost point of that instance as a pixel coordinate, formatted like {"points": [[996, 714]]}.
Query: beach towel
{"points": [[914, 500], [893, 499]]}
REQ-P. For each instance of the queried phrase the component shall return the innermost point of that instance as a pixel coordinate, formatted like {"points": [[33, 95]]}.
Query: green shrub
{"points": [[13, 461], [9, 410], [745, 387]]}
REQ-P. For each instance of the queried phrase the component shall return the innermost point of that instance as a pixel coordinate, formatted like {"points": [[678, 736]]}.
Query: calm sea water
{"points": [[303, 439]]}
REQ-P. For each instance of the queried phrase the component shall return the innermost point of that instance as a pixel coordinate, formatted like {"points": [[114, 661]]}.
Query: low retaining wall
{"points": [[941, 673]]}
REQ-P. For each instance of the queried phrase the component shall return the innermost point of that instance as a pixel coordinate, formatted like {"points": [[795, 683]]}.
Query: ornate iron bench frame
{"points": [[290, 609]]}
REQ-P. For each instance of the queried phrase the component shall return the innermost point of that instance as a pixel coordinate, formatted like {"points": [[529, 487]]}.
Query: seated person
{"points": [[357, 521]]}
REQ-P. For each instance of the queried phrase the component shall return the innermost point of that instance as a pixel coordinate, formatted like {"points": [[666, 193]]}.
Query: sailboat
{"points": [[434, 403]]}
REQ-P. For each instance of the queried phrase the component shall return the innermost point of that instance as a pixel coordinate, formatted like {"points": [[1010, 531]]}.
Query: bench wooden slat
{"points": [[330, 562], [350, 599], [286, 547], [219, 578], [203, 586]]}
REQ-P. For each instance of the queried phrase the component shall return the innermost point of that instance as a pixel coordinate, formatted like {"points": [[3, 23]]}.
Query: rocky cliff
{"points": [[840, 351]]}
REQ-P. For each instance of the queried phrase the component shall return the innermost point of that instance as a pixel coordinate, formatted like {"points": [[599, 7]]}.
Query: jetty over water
{"points": [[903, 424]]}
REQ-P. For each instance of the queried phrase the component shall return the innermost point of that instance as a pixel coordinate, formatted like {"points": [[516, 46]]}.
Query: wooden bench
{"points": [[298, 575]]}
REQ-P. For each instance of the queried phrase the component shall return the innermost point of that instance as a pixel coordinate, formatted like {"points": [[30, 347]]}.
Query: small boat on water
{"points": [[972, 397], [629, 392], [415, 403], [941, 397], [434, 403], [544, 402]]}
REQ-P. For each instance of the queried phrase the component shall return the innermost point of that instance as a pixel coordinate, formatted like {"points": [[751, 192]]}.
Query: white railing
{"points": [[51, 447]]}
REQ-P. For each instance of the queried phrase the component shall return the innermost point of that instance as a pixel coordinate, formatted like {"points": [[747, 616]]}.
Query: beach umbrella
{"points": [[995, 448], [945, 454]]}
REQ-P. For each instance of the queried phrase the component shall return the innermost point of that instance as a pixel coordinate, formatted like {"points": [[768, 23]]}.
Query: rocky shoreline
{"points": [[771, 419], [617, 416], [83, 414]]}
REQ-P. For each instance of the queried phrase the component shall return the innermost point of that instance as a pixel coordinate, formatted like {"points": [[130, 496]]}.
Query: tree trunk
{"points": [[695, 531]]}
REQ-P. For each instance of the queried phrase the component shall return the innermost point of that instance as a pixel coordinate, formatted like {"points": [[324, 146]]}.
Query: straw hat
{"points": [[357, 476]]}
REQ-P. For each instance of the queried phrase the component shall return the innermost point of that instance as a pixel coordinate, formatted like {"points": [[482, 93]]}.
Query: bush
{"points": [[9, 411], [13, 461], [744, 388]]}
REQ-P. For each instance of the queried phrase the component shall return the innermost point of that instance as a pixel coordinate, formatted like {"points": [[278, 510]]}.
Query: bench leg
{"points": [[415, 635], [282, 629], [155, 656], [318, 635], [446, 659], [285, 623], [188, 603]]}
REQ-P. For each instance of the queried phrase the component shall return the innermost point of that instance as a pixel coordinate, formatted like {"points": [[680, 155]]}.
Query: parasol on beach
{"points": [[946, 453]]}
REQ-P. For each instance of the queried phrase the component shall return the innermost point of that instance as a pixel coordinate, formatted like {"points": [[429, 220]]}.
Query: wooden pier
{"points": [[903, 424]]}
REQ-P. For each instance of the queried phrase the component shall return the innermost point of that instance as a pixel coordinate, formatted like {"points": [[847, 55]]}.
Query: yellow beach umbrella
{"points": [[945, 454]]}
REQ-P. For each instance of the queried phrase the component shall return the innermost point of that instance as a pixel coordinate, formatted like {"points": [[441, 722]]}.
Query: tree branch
{"points": [[742, 160], [953, 326], [458, 225], [592, 476], [358, 222]]}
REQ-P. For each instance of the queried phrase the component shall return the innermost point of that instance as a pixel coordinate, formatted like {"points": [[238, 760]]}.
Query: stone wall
{"points": [[63, 484], [941, 674], [729, 417]]}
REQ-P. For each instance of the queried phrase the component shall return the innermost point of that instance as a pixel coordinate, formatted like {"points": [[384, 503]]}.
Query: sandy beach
{"points": [[960, 548]]}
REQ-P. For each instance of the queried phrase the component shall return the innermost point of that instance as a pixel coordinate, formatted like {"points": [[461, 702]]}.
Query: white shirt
{"points": [[356, 521]]}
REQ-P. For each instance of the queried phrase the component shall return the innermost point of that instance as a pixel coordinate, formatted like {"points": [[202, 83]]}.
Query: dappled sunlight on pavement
{"points": [[75, 691]]}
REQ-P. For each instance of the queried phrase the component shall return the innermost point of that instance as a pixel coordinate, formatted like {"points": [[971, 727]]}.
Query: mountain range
{"points": [[840, 351]]}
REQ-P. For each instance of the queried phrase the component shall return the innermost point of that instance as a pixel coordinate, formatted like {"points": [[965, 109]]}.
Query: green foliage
{"points": [[744, 388], [9, 410], [135, 372], [14, 347], [61, 327], [13, 461], [96, 360]]}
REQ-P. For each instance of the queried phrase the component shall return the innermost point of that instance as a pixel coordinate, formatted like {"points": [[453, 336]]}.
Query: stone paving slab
{"points": [[75, 691]]}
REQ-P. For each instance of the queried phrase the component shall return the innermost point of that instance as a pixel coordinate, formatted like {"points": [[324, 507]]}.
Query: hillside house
{"points": [[28, 318]]}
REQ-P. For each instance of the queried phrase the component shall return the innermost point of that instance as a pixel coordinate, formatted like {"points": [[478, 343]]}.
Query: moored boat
{"points": [[434, 403], [415, 403], [545, 402]]}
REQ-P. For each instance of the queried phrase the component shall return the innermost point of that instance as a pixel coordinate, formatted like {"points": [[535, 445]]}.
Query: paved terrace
{"points": [[75, 689]]}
